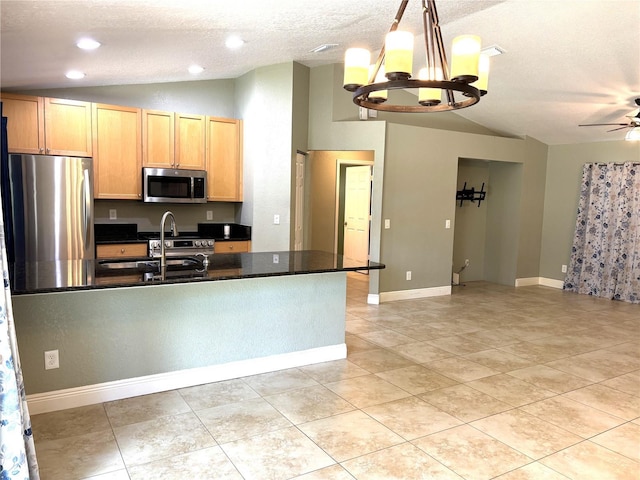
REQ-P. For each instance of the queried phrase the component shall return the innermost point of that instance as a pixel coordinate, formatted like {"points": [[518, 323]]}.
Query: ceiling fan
{"points": [[634, 120]]}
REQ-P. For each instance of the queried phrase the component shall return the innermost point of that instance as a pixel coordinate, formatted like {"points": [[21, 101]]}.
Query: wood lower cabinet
{"points": [[233, 246], [224, 159], [117, 148], [48, 126], [121, 250]]}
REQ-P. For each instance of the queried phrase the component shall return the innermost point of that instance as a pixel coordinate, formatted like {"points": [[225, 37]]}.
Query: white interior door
{"points": [[299, 208], [357, 201]]}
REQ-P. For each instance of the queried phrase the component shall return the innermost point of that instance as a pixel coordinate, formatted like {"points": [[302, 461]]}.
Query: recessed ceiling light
{"points": [[195, 69], [75, 74], [493, 50], [234, 42], [88, 44]]}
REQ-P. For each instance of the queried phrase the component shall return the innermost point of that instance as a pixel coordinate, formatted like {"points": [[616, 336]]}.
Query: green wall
{"points": [[503, 222], [563, 176], [114, 334], [265, 104], [202, 97]]}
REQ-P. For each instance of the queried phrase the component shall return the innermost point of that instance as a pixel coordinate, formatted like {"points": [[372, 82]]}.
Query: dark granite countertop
{"points": [[60, 276]]}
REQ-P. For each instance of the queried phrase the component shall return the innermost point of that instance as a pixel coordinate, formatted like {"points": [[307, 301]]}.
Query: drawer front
{"points": [[116, 250], [232, 247]]}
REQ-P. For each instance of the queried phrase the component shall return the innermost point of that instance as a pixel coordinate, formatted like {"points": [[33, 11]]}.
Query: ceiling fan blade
{"points": [[603, 124], [619, 128]]}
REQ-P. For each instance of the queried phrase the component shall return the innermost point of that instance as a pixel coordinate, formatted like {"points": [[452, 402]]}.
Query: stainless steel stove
{"points": [[181, 246]]}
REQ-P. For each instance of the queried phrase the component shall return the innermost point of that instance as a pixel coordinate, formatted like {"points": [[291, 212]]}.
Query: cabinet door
{"points": [[190, 141], [25, 123], [224, 159], [67, 127], [117, 149], [158, 139]]}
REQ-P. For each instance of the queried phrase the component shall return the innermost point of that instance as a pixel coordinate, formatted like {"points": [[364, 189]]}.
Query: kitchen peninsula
{"points": [[243, 314]]}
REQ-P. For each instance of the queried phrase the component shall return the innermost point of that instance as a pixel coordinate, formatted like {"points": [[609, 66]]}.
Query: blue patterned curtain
{"points": [[17, 449], [605, 258]]}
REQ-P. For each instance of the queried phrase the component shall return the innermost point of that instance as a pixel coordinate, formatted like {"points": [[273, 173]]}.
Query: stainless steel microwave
{"points": [[168, 185]]}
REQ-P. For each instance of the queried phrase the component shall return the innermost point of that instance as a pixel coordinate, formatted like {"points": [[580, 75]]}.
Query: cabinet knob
{"points": [[122, 250], [230, 247], [41, 150]]}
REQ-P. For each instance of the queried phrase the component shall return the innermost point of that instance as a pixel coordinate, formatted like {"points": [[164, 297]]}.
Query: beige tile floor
{"points": [[491, 382]]}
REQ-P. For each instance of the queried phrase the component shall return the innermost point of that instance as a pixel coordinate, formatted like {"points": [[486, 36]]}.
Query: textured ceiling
{"points": [[567, 61]]}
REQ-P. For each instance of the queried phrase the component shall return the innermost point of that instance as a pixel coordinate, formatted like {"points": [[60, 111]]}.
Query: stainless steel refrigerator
{"points": [[51, 211]]}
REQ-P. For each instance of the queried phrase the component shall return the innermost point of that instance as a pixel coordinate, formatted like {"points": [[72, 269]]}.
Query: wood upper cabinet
{"points": [[52, 126], [224, 159], [158, 139], [190, 136], [173, 140], [117, 148], [25, 123]]}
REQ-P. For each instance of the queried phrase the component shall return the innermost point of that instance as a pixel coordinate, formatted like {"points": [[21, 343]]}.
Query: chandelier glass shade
{"points": [[439, 87]]}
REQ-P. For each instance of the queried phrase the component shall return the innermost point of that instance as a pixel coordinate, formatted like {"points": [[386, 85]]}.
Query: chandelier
{"points": [[461, 86]]}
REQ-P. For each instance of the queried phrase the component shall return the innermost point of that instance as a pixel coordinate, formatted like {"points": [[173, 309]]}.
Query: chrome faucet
{"points": [[174, 232]]}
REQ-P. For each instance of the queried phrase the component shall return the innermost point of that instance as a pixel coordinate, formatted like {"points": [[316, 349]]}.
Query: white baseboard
{"points": [[527, 282], [547, 282], [131, 387], [416, 293], [551, 282], [373, 299]]}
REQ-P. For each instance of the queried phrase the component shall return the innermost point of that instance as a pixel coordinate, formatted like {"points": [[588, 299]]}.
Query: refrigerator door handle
{"points": [[87, 207]]}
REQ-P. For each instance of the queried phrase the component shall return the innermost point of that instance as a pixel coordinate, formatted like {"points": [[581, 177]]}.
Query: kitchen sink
{"points": [[147, 264]]}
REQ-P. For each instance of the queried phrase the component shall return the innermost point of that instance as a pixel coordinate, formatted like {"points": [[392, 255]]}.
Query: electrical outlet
{"points": [[466, 262], [51, 360], [387, 223], [564, 269], [209, 215], [113, 214], [408, 274], [276, 219], [276, 258], [447, 223]]}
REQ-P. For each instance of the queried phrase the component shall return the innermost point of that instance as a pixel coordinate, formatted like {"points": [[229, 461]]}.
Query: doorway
{"points": [[324, 203], [485, 235], [356, 210]]}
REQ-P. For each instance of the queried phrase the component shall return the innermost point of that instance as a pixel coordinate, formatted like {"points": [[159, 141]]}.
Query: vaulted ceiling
{"points": [[566, 62]]}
